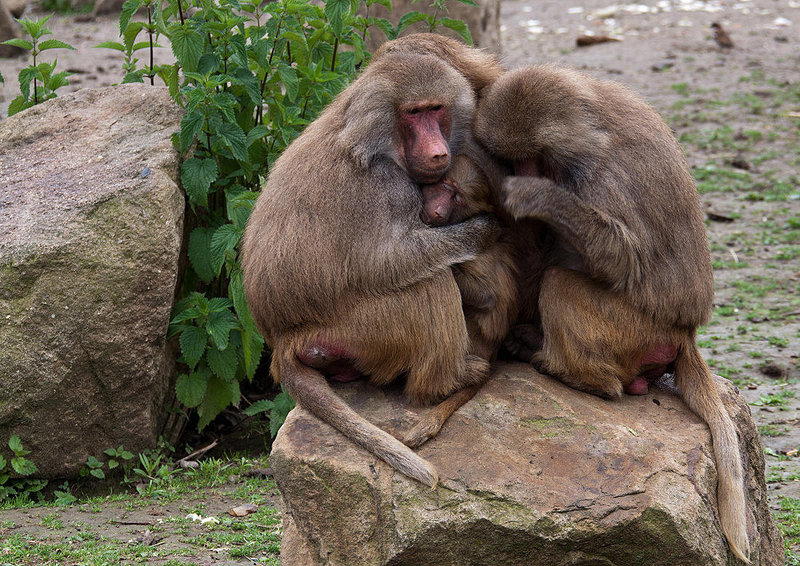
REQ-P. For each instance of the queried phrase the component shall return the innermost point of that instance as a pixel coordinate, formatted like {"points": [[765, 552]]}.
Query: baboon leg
{"points": [[594, 340], [433, 420]]}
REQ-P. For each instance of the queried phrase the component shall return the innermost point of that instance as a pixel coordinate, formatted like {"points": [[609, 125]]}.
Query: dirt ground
{"points": [[737, 113]]}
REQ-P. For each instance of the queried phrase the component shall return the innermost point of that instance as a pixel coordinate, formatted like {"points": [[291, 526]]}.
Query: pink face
{"points": [[424, 129], [441, 203]]}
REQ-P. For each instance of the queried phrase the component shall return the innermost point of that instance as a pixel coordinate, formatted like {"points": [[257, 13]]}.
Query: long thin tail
{"points": [[311, 390], [700, 393]]}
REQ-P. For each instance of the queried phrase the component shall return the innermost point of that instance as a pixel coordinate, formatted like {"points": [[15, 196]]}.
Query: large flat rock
{"points": [[532, 472]]}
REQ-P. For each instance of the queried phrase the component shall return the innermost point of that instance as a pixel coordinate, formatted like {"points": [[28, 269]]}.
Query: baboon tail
{"points": [[700, 393], [311, 390]]}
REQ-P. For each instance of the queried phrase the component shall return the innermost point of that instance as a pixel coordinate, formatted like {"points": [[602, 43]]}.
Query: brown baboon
{"points": [[488, 283], [341, 275], [480, 67], [630, 277]]}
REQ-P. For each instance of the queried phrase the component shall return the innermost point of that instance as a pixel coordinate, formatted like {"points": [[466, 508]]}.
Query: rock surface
{"points": [[91, 228], [532, 472]]}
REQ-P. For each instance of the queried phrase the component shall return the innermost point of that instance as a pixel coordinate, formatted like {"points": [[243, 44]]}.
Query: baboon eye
{"points": [[435, 108], [414, 111]]}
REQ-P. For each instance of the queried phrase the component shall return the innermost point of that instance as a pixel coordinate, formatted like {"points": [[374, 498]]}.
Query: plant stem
{"points": [[150, 33], [335, 49], [180, 12], [35, 90]]}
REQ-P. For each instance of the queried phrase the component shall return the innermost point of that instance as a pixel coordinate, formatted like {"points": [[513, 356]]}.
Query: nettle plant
{"points": [[38, 81], [250, 76]]}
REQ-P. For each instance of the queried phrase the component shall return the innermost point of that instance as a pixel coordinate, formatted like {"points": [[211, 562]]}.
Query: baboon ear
{"points": [[368, 128]]}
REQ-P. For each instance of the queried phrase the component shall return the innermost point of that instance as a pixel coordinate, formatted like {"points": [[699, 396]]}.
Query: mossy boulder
{"points": [[532, 472], [91, 228]]}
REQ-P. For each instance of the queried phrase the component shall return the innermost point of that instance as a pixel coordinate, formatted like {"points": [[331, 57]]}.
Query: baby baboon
{"points": [[631, 275], [341, 275], [488, 283]]}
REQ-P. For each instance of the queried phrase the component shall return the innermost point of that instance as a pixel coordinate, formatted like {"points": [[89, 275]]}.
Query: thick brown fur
{"points": [[480, 67], [630, 267], [339, 267], [488, 283]]}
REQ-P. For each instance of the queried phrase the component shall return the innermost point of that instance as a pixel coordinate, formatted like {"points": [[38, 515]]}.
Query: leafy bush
{"points": [[41, 75], [22, 468], [250, 76]]}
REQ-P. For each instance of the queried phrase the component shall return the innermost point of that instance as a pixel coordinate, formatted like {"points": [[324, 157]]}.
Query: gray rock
{"points": [[16, 7], [88, 268], [532, 472], [9, 29]]}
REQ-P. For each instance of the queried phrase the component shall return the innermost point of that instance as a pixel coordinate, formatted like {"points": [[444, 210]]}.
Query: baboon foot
{"points": [[428, 427]]}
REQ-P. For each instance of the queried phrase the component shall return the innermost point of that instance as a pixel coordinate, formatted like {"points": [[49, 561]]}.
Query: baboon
{"points": [[342, 276], [488, 283], [629, 276], [480, 67]]}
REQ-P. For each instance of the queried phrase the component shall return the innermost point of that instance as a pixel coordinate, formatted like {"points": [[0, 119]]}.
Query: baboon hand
{"points": [[524, 196]]}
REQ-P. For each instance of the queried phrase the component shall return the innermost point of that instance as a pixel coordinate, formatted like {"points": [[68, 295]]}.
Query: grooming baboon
{"points": [[488, 282], [342, 276], [631, 275]]}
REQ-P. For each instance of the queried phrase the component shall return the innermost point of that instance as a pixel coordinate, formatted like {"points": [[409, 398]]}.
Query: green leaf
{"points": [[261, 406], [260, 131], [459, 27], [112, 464], [234, 138], [199, 242], [219, 325], [54, 44], [191, 126], [208, 63], [283, 403], [187, 45], [15, 444], [385, 26], [224, 239], [129, 8], [219, 394], [193, 342], [23, 466], [412, 18], [112, 45], [219, 304], [289, 80], [236, 293], [2, 466], [17, 42], [252, 348], [223, 362], [98, 473], [335, 11], [196, 178], [191, 389], [133, 77]]}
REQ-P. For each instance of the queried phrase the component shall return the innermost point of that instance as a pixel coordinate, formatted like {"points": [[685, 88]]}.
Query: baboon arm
{"points": [[606, 245], [416, 254]]}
